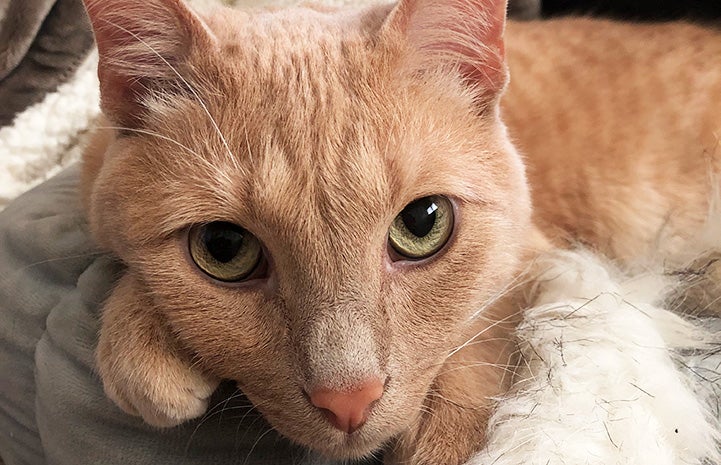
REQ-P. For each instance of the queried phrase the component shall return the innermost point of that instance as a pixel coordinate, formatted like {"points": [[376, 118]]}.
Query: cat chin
{"points": [[323, 439], [356, 446], [352, 449], [291, 414]]}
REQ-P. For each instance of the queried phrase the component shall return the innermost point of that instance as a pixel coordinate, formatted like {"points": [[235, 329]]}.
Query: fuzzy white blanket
{"points": [[48, 136], [608, 375]]}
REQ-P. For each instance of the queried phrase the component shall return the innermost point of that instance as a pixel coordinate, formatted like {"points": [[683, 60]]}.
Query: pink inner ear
{"points": [[140, 41], [466, 33]]}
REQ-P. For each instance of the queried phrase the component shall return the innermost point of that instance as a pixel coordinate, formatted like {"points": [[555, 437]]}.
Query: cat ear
{"points": [[464, 34], [141, 44]]}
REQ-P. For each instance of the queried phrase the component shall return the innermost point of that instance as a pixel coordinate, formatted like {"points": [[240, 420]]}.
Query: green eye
{"points": [[224, 250], [422, 228]]}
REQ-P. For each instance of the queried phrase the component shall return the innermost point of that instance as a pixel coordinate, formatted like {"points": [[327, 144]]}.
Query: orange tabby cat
{"points": [[325, 205]]}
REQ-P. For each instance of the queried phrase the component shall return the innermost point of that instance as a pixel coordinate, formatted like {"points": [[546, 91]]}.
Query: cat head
{"points": [[314, 199]]}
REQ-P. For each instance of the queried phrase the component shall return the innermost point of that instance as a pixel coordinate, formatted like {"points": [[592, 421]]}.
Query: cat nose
{"points": [[348, 410]]}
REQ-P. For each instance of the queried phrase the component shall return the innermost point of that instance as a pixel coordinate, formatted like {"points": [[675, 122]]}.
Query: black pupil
{"points": [[223, 240], [419, 216]]}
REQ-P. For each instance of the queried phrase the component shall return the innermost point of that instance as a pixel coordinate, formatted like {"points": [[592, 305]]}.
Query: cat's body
{"points": [[620, 124], [313, 131]]}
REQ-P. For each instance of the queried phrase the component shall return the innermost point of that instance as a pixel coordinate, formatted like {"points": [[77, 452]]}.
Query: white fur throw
{"points": [[608, 375], [47, 136]]}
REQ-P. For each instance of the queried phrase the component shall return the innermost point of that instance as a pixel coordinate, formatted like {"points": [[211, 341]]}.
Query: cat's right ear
{"points": [[142, 45], [463, 35]]}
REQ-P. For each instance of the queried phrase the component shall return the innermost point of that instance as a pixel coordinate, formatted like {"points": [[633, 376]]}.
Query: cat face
{"points": [[298, 137]]}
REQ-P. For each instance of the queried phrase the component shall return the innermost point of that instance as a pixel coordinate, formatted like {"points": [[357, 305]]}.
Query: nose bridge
{"points": [[331, 289], [341, 350], [338, 331]]}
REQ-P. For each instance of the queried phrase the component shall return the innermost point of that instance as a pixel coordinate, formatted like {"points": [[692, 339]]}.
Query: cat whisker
{"points": [[490, 339], [213, 170], [506, 368], [153, 134], [235, 408], [521, 279], [435, 396], [250, 152], [477, 342], [17, 272], [206, 416], [513, 362], [236, 394], [481, 333], [183, 80], [250, 426], [455, 363], [216, 411], [255, 444], [490, 320]]}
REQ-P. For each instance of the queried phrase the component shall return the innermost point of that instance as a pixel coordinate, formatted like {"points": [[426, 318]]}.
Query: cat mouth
{"points": [[297, 413], [378, 424], [323, 437], [357, 445]]}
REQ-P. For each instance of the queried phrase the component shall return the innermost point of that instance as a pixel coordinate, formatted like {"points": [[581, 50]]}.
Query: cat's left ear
{"points": [[466, 35], [143, 45]]}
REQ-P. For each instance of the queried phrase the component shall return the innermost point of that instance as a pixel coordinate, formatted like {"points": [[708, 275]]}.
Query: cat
{"points": [[328, 206]]}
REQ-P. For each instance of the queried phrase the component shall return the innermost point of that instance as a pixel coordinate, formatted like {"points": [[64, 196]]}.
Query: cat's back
{"points": [[620, 124]]}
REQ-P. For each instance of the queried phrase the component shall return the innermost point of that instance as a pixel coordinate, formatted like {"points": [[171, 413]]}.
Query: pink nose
{"points": [[348, 410]]}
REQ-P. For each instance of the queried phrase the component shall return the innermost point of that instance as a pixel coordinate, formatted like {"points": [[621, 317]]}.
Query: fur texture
{"points": [[63, 119], [610, 166], [609, 371], [313, 128], [607, 374]]}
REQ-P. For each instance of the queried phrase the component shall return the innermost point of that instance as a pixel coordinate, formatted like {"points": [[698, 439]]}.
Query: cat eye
{"points": [[225, 251], [422, 228]]}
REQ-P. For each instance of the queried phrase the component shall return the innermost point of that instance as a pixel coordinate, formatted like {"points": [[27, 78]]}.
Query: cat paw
{"points": [[165, 393]]}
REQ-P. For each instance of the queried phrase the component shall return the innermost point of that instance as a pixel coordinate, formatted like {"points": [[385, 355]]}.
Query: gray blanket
{"points": [[41, 43]]}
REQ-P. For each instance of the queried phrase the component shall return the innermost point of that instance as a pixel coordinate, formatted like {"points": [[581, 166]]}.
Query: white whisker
{"points": [[183, 80], [257, 441], [153, 134]]}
